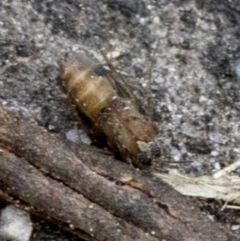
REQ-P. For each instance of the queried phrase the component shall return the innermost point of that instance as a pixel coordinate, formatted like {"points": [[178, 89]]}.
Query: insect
{"points": [[108, 115]]}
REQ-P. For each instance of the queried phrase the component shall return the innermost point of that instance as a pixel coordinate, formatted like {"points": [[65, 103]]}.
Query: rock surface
{"points": [[194, 86]]}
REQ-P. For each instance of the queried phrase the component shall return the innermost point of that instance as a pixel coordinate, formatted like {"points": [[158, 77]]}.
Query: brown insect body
{"points": [[127, 132]]}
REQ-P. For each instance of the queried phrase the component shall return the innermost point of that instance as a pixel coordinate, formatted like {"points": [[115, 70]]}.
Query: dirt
{"points": [[189, 48]]}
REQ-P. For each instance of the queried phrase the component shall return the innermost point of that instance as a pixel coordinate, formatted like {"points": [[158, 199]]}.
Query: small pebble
{"points": [[15, 224], [214, 153], [216, 137], [77, 136], [72, 135], [236, 68], [235, 227], [84, 137], [217, 166]]}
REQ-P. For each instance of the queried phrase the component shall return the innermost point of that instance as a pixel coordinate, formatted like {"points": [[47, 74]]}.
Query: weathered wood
{"points": [[23, 205], [20, 179], [136, 198]]}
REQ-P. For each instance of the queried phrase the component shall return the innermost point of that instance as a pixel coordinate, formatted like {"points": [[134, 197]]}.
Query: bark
{"points": [[60, 202], [103, 197]]}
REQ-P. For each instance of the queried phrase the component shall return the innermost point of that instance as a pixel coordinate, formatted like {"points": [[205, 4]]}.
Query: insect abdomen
{"points": [[90, 93]]}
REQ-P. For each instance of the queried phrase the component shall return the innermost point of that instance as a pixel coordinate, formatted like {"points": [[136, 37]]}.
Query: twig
{"points": [[125, 201]]}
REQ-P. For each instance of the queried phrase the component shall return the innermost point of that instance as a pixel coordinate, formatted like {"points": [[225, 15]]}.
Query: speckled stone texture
{"points": [[191, 48]]}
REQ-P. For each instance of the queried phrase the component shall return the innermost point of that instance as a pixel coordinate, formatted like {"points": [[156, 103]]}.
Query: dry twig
{"points": [[104, 198]]}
